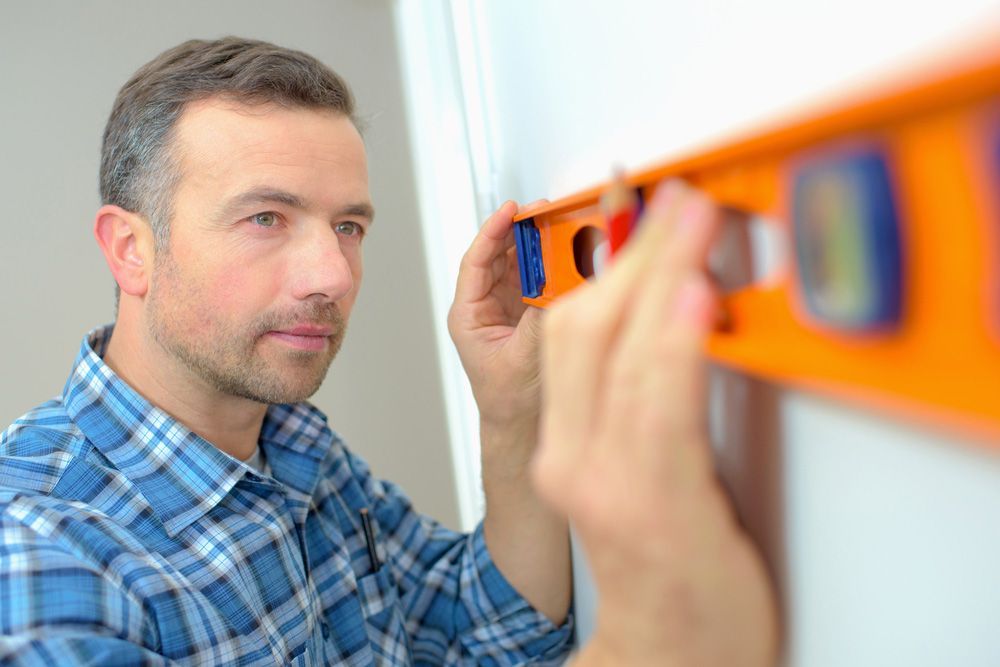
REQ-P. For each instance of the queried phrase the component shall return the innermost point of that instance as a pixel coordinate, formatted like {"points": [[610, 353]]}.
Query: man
{"points": [[182, 503]]}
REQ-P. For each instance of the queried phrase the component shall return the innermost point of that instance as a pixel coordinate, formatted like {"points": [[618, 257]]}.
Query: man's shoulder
{"points": [[60, 502], [60, 573], [41, 430], [37, 447]]}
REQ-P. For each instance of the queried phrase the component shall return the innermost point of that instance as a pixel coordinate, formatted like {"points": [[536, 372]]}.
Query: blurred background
{"points": [[61, 65], [883, 536]]}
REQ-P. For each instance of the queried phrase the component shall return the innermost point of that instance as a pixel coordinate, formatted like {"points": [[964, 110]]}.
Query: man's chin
{"points": [[270, 395], [282, 384], [277, 373]]}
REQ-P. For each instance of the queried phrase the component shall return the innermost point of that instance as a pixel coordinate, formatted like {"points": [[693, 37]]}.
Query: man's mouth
{"points": [[304, 336]]}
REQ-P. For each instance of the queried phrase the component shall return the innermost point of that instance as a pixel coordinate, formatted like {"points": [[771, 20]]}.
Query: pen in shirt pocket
{"points": [[366, 524]]}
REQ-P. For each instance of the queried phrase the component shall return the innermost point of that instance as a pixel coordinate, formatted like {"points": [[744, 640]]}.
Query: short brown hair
{"points": [[138, 171]]}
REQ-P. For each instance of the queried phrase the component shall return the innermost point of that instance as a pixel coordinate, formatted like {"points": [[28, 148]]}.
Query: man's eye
{"points": [[264, 219], [349, 229]]}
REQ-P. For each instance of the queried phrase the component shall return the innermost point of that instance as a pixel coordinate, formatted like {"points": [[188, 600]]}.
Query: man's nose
{"points": [[320, 267]]}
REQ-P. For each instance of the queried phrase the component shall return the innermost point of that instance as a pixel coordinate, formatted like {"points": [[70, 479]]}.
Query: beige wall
{"points": [[61, 64]]}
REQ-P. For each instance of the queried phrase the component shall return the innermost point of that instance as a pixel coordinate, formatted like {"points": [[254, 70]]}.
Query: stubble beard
{"points": [[229, 359]]}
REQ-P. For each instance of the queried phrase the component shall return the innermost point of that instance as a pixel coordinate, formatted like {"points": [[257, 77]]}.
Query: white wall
{"points": [[61, 64], [885, 539]]}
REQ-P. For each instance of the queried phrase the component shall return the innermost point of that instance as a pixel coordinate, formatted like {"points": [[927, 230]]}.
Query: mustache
{"points": [[316, 314]]}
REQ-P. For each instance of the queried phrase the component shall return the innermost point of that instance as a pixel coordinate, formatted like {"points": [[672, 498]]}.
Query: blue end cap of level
{"points": [[529, 258], [847, 242]]}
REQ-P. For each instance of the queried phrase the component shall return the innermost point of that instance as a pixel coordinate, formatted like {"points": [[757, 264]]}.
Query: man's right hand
{"points": [[624, 453]]}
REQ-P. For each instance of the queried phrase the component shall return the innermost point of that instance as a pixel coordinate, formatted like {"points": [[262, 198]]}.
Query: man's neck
{"points": [[230, 423]]}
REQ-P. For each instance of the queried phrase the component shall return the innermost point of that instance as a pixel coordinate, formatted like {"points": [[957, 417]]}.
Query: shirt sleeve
{"points": [[459, 608], [57, 610], [75, 651]]}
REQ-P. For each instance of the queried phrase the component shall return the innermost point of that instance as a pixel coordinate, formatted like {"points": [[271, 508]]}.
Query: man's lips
{"points": [[307, 330], [303, 336]]}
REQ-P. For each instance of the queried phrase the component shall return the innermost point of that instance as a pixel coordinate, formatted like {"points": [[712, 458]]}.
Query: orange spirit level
{"points": [[861, 251]]}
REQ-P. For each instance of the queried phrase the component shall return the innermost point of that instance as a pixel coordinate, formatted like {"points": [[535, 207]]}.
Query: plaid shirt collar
{"points": [[182, 475]]}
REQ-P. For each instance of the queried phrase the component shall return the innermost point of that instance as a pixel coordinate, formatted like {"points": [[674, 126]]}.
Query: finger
{"points": [[656, 367], [684, 328], [505, 265], [692, 221], [506, 262], [506, 269], [581, 328], [677, 391], [619, 281], [475, 274]]}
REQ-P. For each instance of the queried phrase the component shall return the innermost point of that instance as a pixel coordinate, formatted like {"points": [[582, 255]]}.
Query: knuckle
{"points": [[625, 371]]}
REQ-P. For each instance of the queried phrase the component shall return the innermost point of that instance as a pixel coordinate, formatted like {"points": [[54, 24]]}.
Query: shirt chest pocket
{"points": [[384, 618]]}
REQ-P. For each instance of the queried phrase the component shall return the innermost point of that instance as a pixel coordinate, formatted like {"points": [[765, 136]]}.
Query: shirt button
{"points": [[326, 629]]}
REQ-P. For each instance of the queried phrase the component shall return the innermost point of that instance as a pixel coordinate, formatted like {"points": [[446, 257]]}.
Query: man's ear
{"points": [[127, 243]]}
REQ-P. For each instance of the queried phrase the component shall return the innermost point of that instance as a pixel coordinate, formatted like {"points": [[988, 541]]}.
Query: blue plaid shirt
{"points": [[127, 539]]}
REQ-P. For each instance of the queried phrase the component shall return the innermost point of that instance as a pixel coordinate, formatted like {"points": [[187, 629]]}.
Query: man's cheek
{"points": [[228, 287], [218, 299]]}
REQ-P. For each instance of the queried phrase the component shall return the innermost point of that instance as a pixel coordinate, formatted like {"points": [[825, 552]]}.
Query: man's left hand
{"points": [[497, 335]]}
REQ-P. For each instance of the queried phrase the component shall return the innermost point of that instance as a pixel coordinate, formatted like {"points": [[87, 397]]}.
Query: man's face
{"points": [[264, 260]]}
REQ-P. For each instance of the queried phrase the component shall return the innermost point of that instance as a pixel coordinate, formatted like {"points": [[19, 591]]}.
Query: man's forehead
{"points": [[235, 145], [219, 125]]}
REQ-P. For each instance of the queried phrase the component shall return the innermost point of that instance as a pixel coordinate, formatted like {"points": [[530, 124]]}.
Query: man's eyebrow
{"points": [[265, 195], [363, 210]]}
